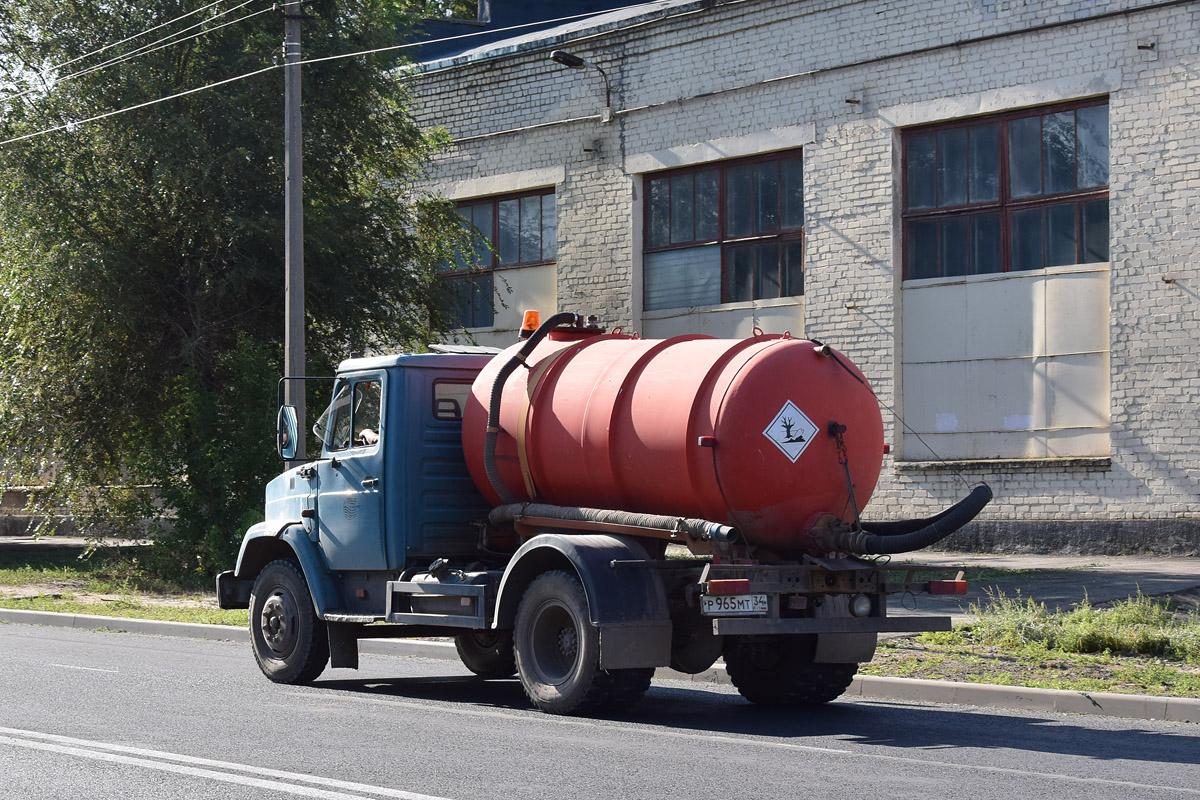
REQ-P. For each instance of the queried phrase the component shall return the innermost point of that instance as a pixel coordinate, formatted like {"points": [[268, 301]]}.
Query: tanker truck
{"points": [[585, 507]]}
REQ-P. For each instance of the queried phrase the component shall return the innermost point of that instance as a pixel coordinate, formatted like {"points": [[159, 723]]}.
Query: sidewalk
{"points": [[1057, 581]]}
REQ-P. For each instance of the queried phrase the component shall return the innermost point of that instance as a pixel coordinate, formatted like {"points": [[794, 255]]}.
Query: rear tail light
{"points": [[732, 586]]}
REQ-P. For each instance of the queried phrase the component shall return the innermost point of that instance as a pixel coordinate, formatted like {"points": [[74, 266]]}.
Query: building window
{"points": [[1012, 192], [725, 233], [509, 231]]}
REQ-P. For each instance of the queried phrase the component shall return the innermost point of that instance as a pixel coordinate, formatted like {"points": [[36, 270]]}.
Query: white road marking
{"points": [[88, 669], [225, 771], [659, 733]]}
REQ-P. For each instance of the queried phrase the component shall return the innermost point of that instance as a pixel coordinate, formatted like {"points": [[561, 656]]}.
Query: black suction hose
{"points": [[493, 423], [904, 537]]}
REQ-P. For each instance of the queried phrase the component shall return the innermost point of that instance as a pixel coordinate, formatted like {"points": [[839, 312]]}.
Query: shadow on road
{"points": [[873, 724]]}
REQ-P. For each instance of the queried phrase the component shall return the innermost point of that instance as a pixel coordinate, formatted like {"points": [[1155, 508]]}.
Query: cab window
{"points": [[352, 419]]}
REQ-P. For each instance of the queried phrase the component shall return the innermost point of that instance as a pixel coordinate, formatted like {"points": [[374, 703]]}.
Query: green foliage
{"points": [[1135, 626], [141, 257]]}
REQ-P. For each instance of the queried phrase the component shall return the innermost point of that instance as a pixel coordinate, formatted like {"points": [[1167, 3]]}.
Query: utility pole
{"points": [[293, 221]]}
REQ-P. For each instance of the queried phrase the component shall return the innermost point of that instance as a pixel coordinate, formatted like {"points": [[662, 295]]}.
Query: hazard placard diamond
{"points": [[791, 431]]}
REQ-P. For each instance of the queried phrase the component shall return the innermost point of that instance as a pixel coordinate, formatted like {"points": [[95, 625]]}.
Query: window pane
{"points": [[920, 168], [509, 238], [985, 162], [952, 167], [738, 200], [531, 228], [1060, 235], [952, 250], [660, 213], [681, 209], [481, 218], [1058, 157], [1092, 131], [791, 172], [1095, 231], [738, 281], [472, 298], [460, 258], [683, 278], [1027, 239], [985, 244], [706, 205], [766, 185], [922, 250], [793, 269], [549, 228], [766, 270], [1024, 156]]}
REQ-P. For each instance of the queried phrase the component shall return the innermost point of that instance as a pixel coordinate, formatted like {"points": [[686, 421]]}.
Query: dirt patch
{"points": [[77, 590]]}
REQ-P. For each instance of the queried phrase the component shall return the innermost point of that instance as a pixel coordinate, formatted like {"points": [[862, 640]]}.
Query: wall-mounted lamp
{"points": [[575, 62]]}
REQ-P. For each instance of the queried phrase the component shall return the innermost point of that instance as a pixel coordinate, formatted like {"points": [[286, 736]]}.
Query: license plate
{"points": [[733, 605]]}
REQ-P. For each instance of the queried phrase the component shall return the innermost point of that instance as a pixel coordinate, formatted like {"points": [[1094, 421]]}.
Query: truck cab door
{"points": [[349, 482]]}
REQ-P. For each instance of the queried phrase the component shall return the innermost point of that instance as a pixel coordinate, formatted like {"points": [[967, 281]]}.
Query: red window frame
{"points": [[727, 242], [1005, 205]]}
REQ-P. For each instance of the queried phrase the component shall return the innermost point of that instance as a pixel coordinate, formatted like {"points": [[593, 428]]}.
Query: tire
{"points": [[489, 654], [291, 645], [779, 671], [558, 652]]}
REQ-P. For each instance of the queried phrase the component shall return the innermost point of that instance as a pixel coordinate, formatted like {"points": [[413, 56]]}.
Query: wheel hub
{"points": [[568, 642], [278, 624]]}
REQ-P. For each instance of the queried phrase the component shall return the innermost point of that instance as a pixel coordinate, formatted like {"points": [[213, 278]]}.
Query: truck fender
{"points": [[627, 602], [268, 541]]}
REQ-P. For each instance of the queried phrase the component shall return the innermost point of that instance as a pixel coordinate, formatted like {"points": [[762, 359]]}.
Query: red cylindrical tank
{"points": [[734, 431]]}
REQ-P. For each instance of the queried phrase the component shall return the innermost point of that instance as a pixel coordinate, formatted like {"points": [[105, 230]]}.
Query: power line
{"points": [[77, 123], [131, 38], [148, 48], [106, 115]]}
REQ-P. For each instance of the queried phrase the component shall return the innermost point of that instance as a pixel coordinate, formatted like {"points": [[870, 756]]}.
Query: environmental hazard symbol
{"points": [[791, 431]]}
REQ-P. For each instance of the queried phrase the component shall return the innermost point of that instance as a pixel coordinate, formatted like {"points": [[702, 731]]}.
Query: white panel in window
{"points": [[1077, 313], [1079, 397], [1004, 395], [1004, 318], [934, 318], [683, 278], [935, 396]]}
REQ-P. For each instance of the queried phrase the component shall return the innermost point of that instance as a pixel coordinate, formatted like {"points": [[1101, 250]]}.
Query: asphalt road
{"points": [[101, 715]]}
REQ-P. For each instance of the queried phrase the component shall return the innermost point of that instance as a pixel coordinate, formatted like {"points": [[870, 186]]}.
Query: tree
{"points": [[141, 256]]}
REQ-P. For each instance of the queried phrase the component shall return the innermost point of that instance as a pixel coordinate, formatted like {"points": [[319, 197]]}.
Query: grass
{"points": [[129, 607], [1140, 645], [105, 570], [68, 575]]}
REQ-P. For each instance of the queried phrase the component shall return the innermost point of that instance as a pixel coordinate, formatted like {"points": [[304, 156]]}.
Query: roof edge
{"points": [[567, 32]]}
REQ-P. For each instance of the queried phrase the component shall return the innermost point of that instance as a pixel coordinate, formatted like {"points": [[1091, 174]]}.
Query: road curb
{"points": [[1128, 706]]}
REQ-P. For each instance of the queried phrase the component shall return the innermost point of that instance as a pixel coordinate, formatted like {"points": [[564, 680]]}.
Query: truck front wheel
{"points": [[779, 670], [558, 652], [291, 644]]}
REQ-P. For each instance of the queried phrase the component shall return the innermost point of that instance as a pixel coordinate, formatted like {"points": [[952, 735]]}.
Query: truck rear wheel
{"points": [[489, 654], [291, 644], [779, 670], [558, 652]]}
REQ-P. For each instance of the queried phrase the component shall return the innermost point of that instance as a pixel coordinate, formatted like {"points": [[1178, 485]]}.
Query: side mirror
{"points": [[286, 435]]}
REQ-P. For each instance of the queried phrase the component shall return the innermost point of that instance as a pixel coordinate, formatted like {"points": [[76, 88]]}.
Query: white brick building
{"points": [[985, 204]]}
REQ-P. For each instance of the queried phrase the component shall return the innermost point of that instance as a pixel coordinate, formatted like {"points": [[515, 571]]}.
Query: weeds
{"points": [[1136, 626]]}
